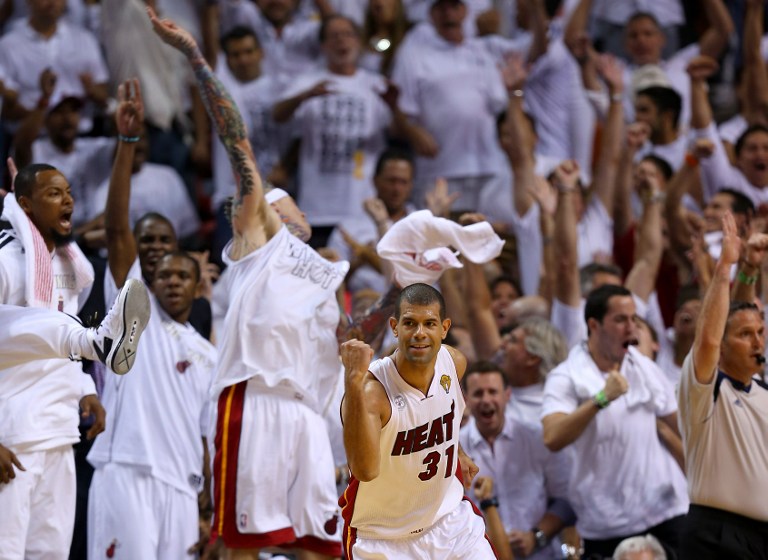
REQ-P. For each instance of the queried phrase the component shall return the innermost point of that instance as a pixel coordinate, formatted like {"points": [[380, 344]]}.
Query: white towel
{"points": [[39, 289], [417, 246], [644, 384]]}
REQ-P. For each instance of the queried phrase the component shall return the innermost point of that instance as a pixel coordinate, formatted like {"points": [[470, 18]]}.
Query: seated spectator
{"points": [[157, 189], [85, 161], [47, 42]]}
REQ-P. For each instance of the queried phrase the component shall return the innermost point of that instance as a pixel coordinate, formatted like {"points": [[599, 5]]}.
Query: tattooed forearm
{"points": [[244, 168], [220, 106]]}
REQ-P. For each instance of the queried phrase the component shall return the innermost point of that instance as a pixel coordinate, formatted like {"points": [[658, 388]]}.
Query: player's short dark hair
{"points": [[392, 153], [26, 180], [665, 99], [480, 367], [740, 203], [752, 129], [661, 165], [597, 300], [420, 294], [187, 256], [236, 33]]}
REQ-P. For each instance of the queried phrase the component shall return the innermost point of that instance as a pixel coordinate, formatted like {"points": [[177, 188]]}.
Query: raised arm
{"points": [[611, 72], [641, 280], [623, 216], [755, 73], [539, 27], [121, 246], [714, 40], [577, 25], [364, 411], [700, 69], [744, 289], [253, 221], [714, 309], [567, 287]]}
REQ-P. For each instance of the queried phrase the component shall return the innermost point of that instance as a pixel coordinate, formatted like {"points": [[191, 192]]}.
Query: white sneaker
{"points": [[117, 337]]}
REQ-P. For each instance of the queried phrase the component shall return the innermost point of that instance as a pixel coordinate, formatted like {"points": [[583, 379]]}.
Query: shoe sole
{"points": [[135, 303]]}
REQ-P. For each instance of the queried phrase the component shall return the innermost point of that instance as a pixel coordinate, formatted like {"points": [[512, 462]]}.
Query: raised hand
{"points": [[209, 273], [615, 385], [172, 34], [129, 116], [567, 174], [702, 148], [702, 67], [376, 209], [756, 248], [356, 356], [513, 72], [438, 200], [544, 194], [47, 83], [611, 70], [731, 245]]}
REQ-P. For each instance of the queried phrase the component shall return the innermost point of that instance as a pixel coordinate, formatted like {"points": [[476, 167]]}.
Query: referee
{"points": [[724, 416]]}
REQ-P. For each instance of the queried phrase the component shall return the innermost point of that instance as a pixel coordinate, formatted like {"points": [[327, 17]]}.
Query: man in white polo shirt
{"points": [[724, 420], [605, 400]]}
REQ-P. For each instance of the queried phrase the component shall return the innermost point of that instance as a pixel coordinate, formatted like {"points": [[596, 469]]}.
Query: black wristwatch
{"points": [[540, 538], [489, 502]]}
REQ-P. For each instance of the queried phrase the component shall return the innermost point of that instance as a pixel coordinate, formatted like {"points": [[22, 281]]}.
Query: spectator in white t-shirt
{"points": [[341, 120], [450, 83], [47, 42], [85, 161]]}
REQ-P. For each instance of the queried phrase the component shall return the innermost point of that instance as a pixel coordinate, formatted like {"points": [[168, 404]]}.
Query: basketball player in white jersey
{"points": [[401, 419]]}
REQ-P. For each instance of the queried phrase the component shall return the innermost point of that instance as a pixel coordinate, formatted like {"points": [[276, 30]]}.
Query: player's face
{"points": [[644, 42], [293, 218], [743, 342], [487, 399], [420, 332], [617, 331], [50, 206], [394, 184], [154, 239], [175, 285], [244, 58]]}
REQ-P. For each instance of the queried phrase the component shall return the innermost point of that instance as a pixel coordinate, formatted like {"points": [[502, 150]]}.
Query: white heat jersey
{"points": [[280, 327], [417, 483], [158, 414]]}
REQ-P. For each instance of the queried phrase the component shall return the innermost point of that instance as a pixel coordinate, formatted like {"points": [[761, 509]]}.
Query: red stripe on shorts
{"points": [[479, 514], [347, 505]]}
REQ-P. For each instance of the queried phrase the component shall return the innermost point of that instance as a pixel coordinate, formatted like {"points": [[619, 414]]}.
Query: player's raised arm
{"points": [[251, 215]]}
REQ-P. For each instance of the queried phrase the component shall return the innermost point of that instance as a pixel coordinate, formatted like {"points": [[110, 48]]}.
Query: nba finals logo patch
{"points": [[399, 402], [445, 383], [111, 548]]}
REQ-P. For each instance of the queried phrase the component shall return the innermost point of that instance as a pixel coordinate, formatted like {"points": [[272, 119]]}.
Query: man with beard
{"points": [[40, 267]]}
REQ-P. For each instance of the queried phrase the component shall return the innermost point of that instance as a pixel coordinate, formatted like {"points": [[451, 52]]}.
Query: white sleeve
{"points": [[569, 321], [527, 231], [559, 394], [716, 170]]}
